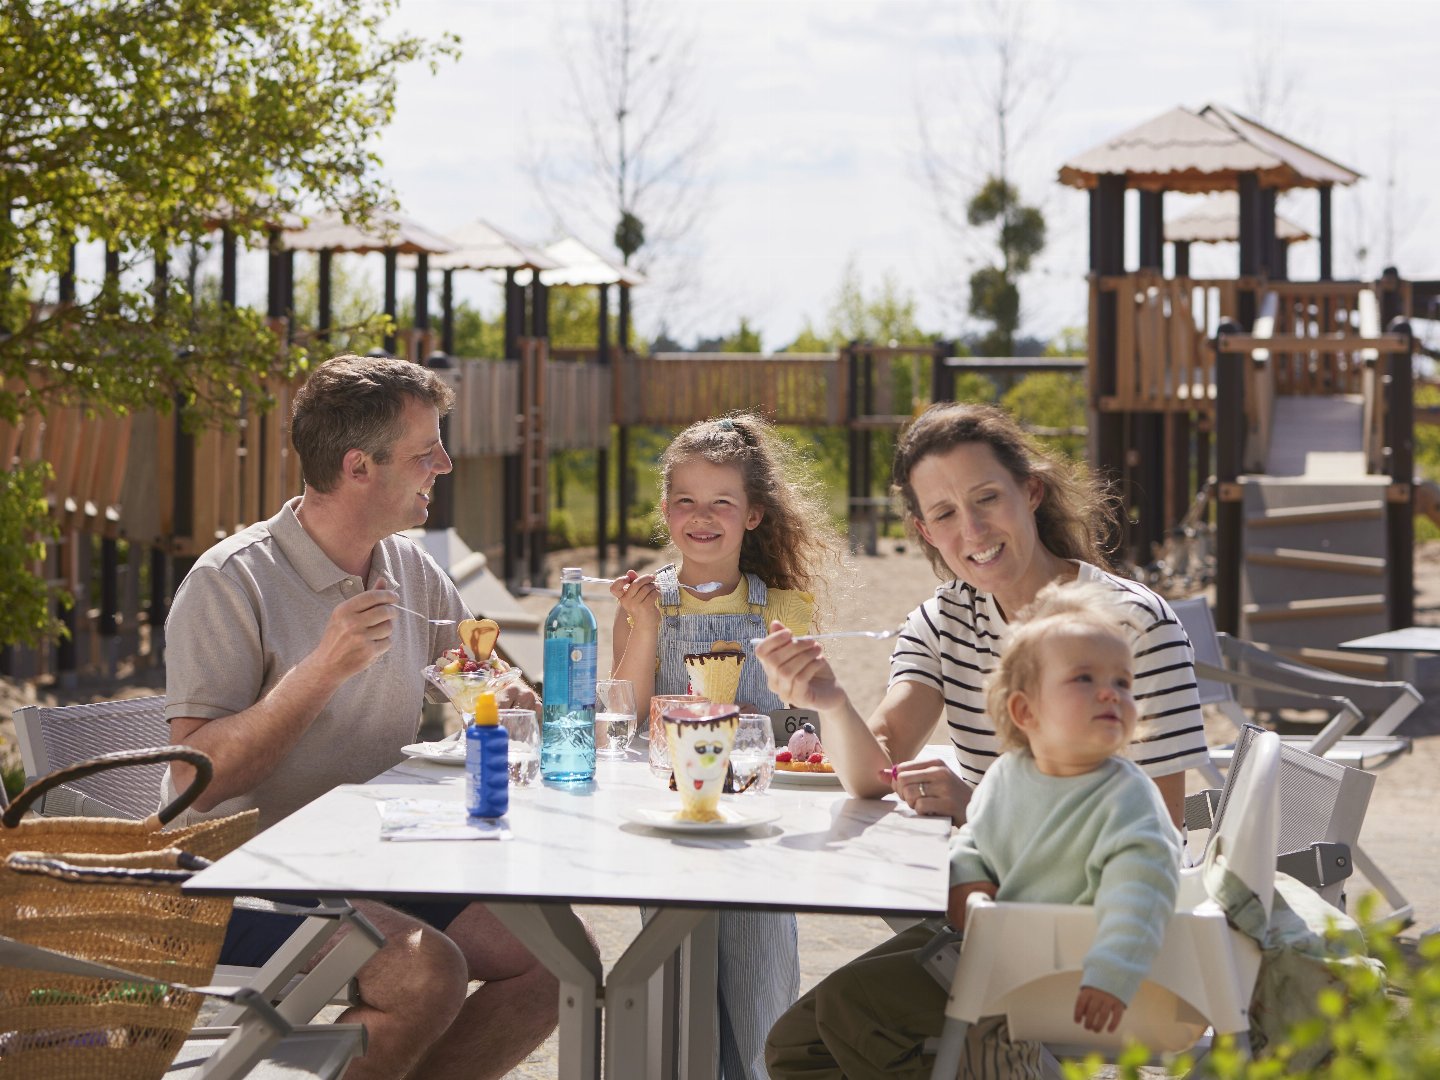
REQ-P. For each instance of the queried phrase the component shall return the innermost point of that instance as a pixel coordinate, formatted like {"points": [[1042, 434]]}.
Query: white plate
{"points": [[736, 818], [805, 779], [445, 752]]}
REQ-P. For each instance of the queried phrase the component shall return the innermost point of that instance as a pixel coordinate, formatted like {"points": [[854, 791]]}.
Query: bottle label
{"points": [[582, 674], [557, 672]]}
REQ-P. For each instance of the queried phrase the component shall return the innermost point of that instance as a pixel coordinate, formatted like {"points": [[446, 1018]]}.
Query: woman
{"points": [[1002, 519]]}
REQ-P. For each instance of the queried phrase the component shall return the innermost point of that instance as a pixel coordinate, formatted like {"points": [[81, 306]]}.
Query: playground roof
{"points": [[581, 265], [1217, 220], [1208, 150], [382, 232], [482, 246]]}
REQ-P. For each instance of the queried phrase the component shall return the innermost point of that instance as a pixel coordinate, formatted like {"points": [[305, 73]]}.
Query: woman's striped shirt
{"points": [[954, 640]]}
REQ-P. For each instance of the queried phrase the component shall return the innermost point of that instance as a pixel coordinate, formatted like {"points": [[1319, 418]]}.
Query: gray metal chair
{"points": [[53, 737], [1360, 733]]}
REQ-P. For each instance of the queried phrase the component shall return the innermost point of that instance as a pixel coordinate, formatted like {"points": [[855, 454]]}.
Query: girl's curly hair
{"points": [[794, 545]]}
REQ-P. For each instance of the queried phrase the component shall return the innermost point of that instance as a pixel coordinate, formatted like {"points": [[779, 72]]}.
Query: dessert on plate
{"points": [[803, 753]]}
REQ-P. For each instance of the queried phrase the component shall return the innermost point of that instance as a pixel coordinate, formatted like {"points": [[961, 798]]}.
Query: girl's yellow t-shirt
{"points": [[792, 607]]}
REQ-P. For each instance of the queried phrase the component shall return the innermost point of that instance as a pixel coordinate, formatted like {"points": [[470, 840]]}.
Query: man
{"points": [[289, 665]]}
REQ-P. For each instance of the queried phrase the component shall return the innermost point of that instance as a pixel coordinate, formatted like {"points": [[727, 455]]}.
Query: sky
{"points": [[808, 114]]}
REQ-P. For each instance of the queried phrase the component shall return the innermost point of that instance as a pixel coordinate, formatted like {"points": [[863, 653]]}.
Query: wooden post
{"points": [[1326, 233], [1400, 501], [627, 487], [422, 295], [1107, 257], [1182, 258], [275, 293], [942, 375], [67, 278], [447, 312], [1251, 239], [324, 301], [1152, 230], [287, 293], [228, 275], [602, 456], [391, 304], [1229, 453]]}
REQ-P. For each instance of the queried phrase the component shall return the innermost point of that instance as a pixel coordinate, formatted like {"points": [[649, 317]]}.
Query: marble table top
{"points": [[826, 852], [1410, 639]]}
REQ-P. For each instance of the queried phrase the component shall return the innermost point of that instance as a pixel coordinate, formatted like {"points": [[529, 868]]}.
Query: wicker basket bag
{"points": [[108, 890]]}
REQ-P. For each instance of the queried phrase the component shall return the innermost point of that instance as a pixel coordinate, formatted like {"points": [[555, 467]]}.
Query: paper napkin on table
{"points": [[434, 819]]}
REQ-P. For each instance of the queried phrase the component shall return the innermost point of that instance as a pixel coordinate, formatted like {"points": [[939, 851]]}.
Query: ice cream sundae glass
{"points": [[464, 673], [700, 737]]}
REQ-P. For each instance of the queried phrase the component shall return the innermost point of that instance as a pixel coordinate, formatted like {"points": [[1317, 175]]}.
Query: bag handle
{"points": [[204, 770], [184, 867]]}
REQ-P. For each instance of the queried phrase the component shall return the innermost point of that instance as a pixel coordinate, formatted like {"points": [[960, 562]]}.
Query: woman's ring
{"points": [[921, 789]]}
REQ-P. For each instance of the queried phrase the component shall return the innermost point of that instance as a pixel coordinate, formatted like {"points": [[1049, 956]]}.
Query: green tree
{"points": [[1019, 236], [745, 339], [141, 124]]}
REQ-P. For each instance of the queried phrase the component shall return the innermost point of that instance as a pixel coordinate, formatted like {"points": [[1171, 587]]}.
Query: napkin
{"points": [[435, 819]]}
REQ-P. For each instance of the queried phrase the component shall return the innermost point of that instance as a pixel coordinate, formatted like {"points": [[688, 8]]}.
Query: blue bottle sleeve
{"points": [[487, 771]]}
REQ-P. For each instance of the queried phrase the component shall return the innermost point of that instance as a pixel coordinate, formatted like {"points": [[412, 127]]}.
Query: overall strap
{"points": [[758, 595], [667, 579]]}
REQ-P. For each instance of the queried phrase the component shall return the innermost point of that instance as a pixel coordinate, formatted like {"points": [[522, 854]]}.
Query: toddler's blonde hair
{"points": [[1056, 606]]}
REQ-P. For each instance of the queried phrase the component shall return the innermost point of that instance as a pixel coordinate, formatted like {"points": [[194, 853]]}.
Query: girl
{"points": [[735, 509]]}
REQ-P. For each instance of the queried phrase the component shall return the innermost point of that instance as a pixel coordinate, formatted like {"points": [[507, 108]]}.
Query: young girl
{"points": [[1061, 817], [735, 508]]}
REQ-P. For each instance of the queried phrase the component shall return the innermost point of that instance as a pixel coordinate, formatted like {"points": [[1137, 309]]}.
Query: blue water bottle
{"points": [[487, 762], [567, 747]]}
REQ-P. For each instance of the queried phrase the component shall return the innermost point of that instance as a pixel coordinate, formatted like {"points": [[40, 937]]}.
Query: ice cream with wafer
{"points": [[472, 669], [715, 675]]}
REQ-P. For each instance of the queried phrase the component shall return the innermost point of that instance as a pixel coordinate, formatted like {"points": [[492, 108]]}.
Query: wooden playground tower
{"points": [[1299, 390]]}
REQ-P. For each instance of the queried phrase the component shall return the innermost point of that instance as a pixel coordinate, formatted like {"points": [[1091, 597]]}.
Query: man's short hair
{"points": [[355, 403]]}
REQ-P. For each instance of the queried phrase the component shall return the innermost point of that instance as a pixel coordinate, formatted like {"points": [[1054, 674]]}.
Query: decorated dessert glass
{"points": [[700, 737], [464, 688]]}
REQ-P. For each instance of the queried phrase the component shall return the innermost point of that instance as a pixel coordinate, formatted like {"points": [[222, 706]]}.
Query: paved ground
{"points": [[1402, 829]]}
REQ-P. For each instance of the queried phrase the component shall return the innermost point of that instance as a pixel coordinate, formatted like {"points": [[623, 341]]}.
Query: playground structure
{"points": [[1181, 370], [1301, 391]]}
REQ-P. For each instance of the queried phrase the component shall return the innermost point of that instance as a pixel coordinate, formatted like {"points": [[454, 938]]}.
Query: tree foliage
{"points": [[141, 123]]}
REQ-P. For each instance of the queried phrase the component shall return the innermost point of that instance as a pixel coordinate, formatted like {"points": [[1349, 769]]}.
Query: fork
{"points": [[432, 622], [878, 635]]}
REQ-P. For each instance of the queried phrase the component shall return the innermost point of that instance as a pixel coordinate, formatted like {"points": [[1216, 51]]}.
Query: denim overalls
{"points": [[759, 957]]}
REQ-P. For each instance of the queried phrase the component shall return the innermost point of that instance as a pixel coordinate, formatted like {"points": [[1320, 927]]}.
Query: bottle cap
{"points": [[487, 714], [571, 573]]}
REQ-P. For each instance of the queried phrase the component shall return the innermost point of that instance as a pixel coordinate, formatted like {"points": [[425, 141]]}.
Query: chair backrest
{"points": [[52, 738], [1247, 824], [1194, 616]]}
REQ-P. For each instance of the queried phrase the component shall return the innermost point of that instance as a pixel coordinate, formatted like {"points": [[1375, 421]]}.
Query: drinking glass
{"points": [[753, 759], [524, 731], [659, 754], [614, 717]]}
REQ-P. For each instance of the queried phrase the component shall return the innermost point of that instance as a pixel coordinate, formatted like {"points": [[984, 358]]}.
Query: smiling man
{"points": [[289, 664]]}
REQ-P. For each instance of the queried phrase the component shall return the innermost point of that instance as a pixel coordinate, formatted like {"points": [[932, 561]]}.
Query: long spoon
{"points": [[879, 635], [703, 589], [432, 622]]}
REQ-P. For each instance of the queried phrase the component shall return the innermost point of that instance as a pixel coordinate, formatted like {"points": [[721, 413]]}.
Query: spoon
{"points": [[703, 589], [879, 635], [432, 622]]}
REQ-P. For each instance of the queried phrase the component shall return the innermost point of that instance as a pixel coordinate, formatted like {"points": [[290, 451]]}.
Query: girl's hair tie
{"points": [[725, 424]]}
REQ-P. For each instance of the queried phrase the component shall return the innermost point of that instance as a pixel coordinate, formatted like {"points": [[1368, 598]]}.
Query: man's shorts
{"points": [[254, 936]]}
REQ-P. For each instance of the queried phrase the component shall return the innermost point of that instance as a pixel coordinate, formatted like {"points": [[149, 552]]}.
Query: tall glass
{"points": [[614, 717], [753, 758], [658, 754], [524, 729]]}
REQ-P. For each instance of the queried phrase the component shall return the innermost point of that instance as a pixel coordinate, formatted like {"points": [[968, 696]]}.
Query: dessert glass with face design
{"points": [[700, 737]]}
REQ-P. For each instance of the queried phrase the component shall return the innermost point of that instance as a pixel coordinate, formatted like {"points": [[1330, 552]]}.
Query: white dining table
{"points": [[825, 852]]}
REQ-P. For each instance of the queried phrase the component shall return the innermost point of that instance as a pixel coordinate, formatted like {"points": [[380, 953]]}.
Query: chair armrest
{"points": [[1388, 701], [1346, 716], [1318, 865]]}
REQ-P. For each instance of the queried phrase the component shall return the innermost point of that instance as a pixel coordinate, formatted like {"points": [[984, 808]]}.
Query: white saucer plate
{"points": [[782, 778], [448, 752], [737, 817]]}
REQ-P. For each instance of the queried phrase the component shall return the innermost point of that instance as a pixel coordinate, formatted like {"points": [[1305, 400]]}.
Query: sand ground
{"points": [[1402, 829]]}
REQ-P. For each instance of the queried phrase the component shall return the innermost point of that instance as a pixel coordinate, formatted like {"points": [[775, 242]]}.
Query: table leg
{"points": [[699, 1008], [554, 933], [637, 1014]]}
